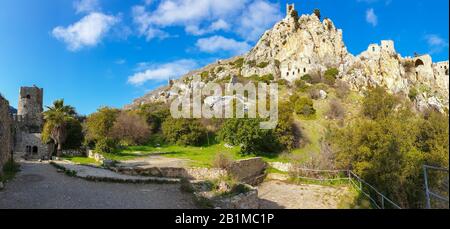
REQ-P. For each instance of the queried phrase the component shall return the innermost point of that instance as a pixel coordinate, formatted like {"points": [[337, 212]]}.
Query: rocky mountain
{"points": [[300, 45]]}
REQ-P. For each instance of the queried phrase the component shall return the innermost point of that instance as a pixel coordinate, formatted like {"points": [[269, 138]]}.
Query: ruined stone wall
{"points": [[6, 137], [30, 145]]}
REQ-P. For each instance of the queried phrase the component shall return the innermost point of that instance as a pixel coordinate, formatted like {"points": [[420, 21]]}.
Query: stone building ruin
{"points": [[29, 123]]}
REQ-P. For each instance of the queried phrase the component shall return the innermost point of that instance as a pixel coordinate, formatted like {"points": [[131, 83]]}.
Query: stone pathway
{"points": [[99, 174], [40, 186], [278, 194]]}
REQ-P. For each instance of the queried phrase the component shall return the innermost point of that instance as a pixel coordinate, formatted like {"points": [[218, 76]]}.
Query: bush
{"points": [[98, 125], [75, 136], [342, 89], [304, 106], [222, 161], [379, 104], [317, 13], [307, 78], [106, 145], [154, 114], [183, 131], [238, 63], [335, 110], [204, 75], [314, 93], [300, 85], [130, 129], [413, 94], [266, 78], [262, 64], [247, 133], [330, 76]]}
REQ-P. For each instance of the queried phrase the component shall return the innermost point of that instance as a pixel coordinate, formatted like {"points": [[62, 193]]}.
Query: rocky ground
{"points": [[40, 186]]}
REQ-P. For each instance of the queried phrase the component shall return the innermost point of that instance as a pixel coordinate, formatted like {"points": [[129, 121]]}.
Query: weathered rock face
{"points": [[303, 45], [295, 47], [6, 134]]}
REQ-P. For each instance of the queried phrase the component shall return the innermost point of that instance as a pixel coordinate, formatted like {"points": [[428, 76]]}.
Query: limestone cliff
{"points": [[299, 45]]}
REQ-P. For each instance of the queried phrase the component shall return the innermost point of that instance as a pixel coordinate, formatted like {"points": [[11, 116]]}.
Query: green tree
{"points": [[379, 104], [247, 133], [98, 125], [183, 131], [154, 114], [57, 118]]}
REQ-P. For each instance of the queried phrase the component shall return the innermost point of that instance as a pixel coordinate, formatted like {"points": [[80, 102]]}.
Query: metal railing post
{"points": [[427, 191], [382, 202]]}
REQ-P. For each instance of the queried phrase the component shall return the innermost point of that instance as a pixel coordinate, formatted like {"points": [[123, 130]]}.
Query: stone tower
{"points": [[289, 9], [30, 108]]}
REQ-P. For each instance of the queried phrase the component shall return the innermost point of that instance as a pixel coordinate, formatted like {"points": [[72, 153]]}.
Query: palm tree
{"points": [[56, 118]]}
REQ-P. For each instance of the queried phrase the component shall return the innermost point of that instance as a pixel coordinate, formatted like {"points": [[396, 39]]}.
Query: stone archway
{"points": [[418, 63]]}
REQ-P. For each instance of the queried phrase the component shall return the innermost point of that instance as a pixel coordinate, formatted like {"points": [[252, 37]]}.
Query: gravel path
{"points": [[38, 185], [280, 195]]}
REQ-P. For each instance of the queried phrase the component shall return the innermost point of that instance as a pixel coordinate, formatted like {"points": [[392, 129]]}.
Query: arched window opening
{"points": [[419, 62], [35, 149]]}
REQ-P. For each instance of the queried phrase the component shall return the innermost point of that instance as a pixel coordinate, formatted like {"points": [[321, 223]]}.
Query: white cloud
{"points": [[259, 16], [86, 6], [160, 72], [198, 17], [436, 43], [87, 32], [371, 17], [218, 43]]}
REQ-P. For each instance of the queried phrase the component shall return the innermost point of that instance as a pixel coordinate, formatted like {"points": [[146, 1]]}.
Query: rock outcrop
{"points": [[300, 45]]}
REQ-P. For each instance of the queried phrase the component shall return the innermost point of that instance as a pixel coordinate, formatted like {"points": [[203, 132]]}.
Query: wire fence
{"points": [[436, 194], [377, 199]]}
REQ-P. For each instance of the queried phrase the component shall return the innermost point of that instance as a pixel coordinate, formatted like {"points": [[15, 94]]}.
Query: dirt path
{"points": [[38, 185], [277, 194]]}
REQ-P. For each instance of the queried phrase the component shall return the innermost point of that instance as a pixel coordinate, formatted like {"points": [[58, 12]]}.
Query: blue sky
{"points": [[94, 53]]}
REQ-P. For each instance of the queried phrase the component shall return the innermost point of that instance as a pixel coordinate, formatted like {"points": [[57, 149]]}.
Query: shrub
{"points": [[222, 161], [314, 93], [307, 78], [389, 153], [106, 145], [330, 76], [251, 63], [317, 13], [248, 134], [183, 131], [238, 63], [74, 135], [130, 129], [335, 110], [342, 89], [379, 104], [98, 125], [154, 114], [301, 85], [266, 78], [204, 75], [304, 106], [262, 64], [413, 94]]}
